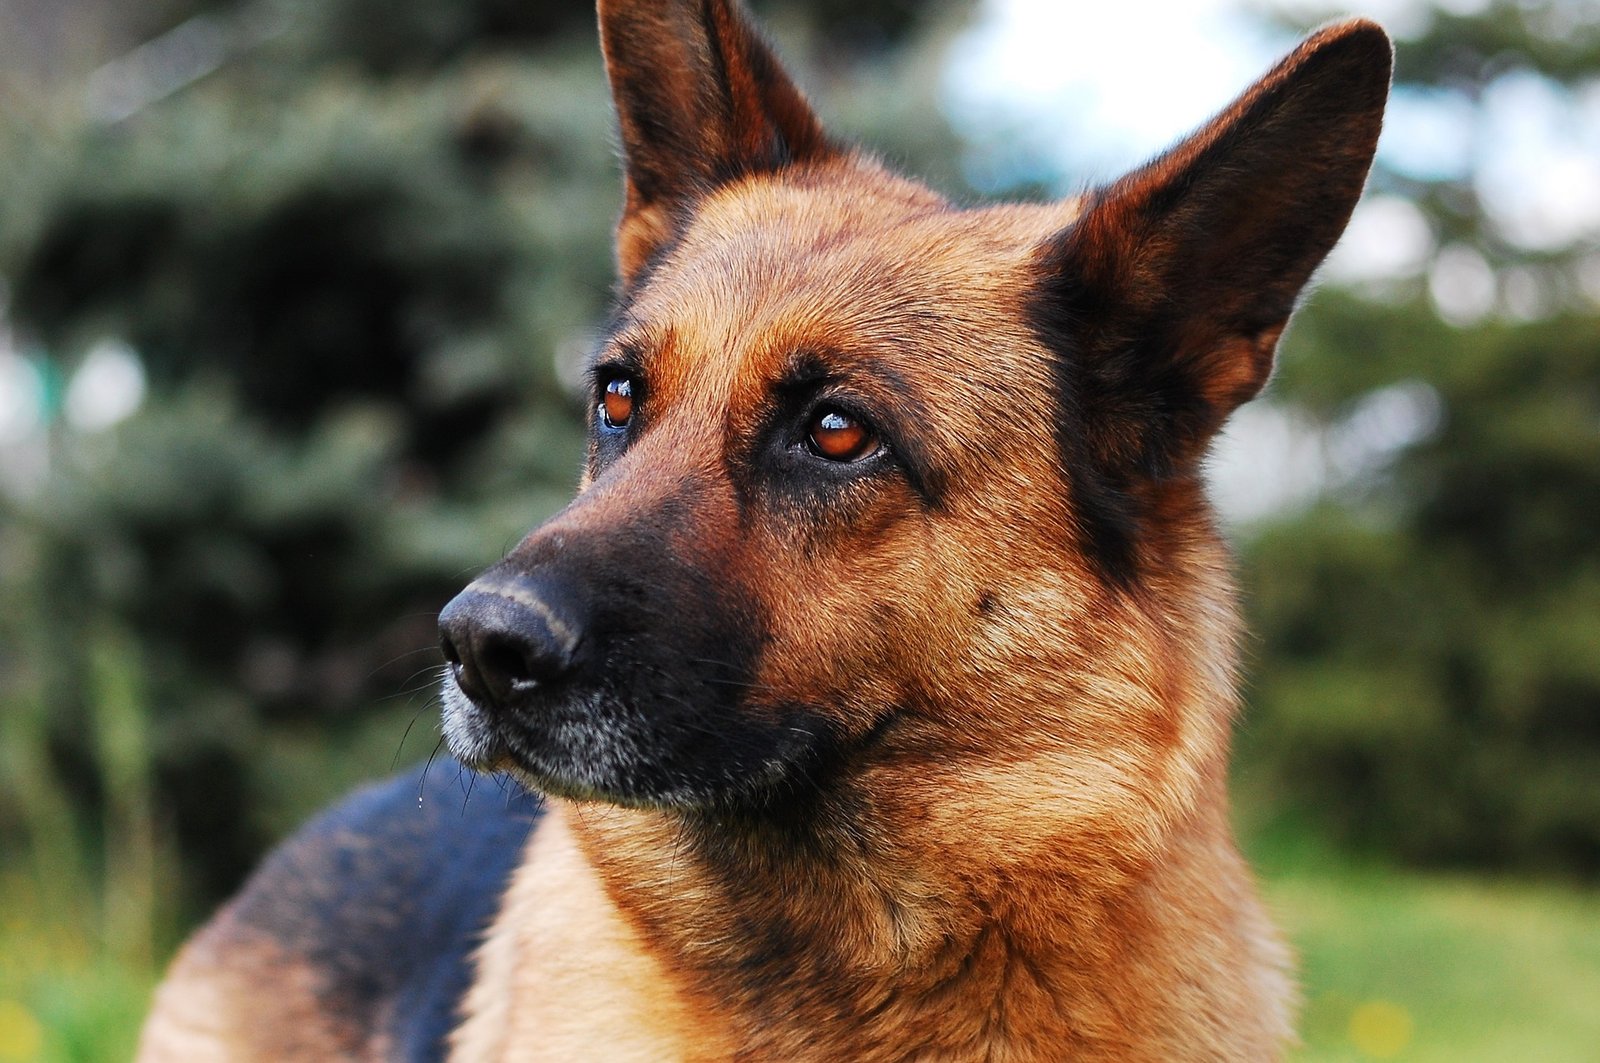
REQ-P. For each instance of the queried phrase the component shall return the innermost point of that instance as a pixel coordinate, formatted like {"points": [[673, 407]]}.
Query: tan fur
{"points": [[564, 976]]}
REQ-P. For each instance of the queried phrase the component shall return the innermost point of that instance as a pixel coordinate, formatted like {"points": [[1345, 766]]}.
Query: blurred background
{"points": [[292, 299]]}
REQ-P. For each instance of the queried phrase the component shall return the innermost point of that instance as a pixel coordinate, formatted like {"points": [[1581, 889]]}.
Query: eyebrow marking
{"points": [[890, 401]]}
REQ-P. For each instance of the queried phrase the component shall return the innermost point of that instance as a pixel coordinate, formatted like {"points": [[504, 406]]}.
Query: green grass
{"points": [[1435, 968], [1396, 965], [63, 997]]}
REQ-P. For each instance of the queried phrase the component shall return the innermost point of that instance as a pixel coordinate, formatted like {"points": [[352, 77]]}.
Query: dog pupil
{"points": [[618, 402], [838, 436]]}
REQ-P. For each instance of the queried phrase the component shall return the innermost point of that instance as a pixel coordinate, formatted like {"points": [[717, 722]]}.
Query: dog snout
{"points": [[505, 639]]}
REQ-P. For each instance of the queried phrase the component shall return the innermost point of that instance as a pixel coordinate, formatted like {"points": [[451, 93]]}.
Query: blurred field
{"points": [[1413, 967], [62, 996], [1396, 965]]}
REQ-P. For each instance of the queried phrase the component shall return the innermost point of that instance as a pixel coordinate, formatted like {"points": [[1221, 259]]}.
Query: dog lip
{"points": [[519, 743], [472, 732], [554, 784], [497, 762]]}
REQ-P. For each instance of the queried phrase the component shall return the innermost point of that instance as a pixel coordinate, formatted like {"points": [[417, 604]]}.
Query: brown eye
{"points": [[616, 406], [837, 436]]}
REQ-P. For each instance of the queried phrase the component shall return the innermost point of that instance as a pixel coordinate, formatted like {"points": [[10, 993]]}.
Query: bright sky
{"points": [[1100, 86], [1094, 88]]}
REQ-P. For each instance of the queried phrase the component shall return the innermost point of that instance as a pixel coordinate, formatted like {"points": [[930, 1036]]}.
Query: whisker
{"points": [[400, 657], [422, 783], [404, 735]]}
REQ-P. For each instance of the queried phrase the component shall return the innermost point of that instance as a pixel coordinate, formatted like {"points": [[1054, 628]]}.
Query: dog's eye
{"points": [[837, 436], [616, 404]]}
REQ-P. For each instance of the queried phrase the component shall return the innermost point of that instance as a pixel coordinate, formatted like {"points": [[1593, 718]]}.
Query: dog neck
{"points": [[717, 941]]}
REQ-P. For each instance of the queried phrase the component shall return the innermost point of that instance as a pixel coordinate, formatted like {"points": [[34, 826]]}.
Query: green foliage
{"points": [[1427, 677], [1558, 38], [1427, 664], [350, 317]]}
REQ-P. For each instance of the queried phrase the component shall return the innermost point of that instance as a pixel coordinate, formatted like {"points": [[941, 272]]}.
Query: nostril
{"points": [[510, 659], [448, 648]]}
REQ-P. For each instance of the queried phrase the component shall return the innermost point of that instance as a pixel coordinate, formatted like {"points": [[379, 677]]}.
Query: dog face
{"points": [[889, 503], [772, 530]]}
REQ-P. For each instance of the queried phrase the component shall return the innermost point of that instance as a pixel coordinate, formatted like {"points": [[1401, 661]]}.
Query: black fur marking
{"points": [[660, 707], [1107, 514], [387, 899]]}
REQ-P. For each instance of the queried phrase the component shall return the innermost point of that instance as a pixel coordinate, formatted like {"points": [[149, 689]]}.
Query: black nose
{"points": [[505, 639]]}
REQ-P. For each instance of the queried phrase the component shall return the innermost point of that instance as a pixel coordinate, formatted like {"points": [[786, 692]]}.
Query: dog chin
{"points": [[506, 746]]}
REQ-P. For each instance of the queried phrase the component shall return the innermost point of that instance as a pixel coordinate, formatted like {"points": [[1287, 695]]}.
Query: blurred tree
{"points": [[358, 248], [359, 260], [1428, 671]]}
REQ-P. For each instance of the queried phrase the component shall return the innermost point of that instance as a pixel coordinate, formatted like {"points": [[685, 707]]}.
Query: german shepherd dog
{"points": [[878, 682]]}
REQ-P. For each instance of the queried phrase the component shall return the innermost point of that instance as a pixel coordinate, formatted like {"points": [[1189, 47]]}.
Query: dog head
{"points": [[885, 492]]}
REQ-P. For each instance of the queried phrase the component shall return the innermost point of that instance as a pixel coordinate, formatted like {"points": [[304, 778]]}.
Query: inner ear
{"points": [[1163, 303], [701, 100]]}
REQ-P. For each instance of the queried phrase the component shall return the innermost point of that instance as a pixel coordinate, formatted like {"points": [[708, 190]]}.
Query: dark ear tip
{"points": [[1356, 42]]}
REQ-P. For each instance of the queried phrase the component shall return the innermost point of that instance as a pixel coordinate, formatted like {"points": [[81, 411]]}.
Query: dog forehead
{"points": [[769, 269]]}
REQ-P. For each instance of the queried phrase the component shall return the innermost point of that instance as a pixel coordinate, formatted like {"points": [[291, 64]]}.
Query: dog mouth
{"points": [[638, 752]]}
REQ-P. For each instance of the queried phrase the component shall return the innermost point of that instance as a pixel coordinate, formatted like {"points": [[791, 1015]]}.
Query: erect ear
{"points": [[1166, 298], [701, 100]]}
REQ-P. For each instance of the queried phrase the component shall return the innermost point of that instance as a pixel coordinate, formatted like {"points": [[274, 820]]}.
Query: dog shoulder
{"points": [[355, 937]]}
